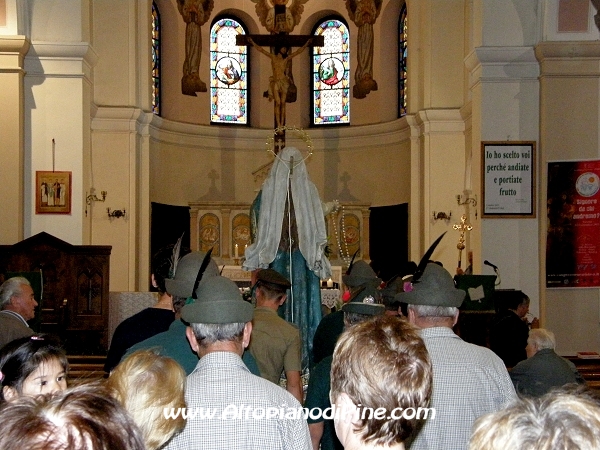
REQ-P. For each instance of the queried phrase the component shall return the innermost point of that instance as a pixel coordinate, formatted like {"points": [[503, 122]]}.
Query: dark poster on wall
{"points": [[573, 238], [388, 239]]}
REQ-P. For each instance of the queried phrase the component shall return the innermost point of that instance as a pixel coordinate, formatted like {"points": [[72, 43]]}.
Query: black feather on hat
{"points": [[219, 302], [201, 272], [352, 262], [425, 259], [432, 284], [183, 281]]}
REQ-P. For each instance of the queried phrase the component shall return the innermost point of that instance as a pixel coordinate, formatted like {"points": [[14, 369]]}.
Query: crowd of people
{"points": [[204, 369]]}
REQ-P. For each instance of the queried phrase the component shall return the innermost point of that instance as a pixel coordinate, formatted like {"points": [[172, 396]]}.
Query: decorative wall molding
{"points": [[61, 60], [502, 64], [118, 119], [221, 138], [569, 58]]}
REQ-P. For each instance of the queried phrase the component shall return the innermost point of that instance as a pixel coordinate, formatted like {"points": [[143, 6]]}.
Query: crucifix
{"points": [[463, 227], [280, 81]]}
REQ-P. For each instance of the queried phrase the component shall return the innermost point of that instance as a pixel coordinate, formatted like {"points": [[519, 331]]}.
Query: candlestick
{"points": [[236, 253]]}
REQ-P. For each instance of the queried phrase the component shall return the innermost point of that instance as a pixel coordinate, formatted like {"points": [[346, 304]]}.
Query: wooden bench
{"points": [[83, 369], [589, 370]]}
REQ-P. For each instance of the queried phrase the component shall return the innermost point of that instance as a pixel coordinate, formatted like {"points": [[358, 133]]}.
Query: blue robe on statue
{"points": [[289, 236]]}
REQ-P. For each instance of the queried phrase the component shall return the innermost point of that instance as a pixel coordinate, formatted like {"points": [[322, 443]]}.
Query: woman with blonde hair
{"points": [[146, 383]]}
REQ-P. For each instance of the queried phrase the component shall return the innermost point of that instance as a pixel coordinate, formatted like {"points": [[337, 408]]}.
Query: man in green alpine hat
{"points": [[468, 380], [173, 342], [237, 406]]}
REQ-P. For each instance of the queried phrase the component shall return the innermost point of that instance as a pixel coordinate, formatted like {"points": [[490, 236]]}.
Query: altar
{"points": [[225, 227], [330, 297]]}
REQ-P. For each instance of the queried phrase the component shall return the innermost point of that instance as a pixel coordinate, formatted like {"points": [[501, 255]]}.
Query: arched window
{"points": [[155, 60], [402, 52], [228, 73], [331, 74]]}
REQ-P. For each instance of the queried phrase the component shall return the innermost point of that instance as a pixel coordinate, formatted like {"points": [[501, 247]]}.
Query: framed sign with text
{"points": [[508, 185]]}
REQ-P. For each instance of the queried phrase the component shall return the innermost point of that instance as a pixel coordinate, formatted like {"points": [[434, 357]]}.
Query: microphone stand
{"points": [[498, 280]]}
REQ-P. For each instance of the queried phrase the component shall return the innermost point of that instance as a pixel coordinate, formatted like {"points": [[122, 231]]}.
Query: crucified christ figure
{"points": [[279, 82]]}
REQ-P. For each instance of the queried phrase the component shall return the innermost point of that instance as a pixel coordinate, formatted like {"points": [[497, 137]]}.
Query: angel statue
{"points": [[364, 13], [279, 18], [596, 4], [195, 13]]}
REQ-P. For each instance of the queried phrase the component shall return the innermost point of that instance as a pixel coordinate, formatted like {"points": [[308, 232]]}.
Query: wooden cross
{"points": [[281, 60]]}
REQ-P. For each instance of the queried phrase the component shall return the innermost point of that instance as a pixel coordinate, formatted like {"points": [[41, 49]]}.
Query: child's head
{"points": [[83, 417], [32, 366]]}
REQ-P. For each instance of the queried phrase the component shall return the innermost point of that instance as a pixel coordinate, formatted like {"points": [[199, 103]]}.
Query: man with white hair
{"points": [[565, 419], [234, 403], [468, 380], [543, 369], [17, 306]]}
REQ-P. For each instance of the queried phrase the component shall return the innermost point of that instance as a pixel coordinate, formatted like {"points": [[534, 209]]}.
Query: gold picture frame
{"points": [[53, 192]]}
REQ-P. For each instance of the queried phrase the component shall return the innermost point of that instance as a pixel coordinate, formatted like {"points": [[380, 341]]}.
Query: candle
{"points": [[330, 283], [245, 248], [236, 254]]}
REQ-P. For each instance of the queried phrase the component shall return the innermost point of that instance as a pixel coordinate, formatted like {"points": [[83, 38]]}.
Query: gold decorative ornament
{"points": [[301, 133], [463, 227]]}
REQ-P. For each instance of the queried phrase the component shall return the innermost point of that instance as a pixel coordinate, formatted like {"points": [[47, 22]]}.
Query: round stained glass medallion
{"points": [[331, 71], [228, 70]]}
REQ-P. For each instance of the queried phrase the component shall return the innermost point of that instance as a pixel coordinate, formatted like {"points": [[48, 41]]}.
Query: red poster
{"points": [[573, 241]]}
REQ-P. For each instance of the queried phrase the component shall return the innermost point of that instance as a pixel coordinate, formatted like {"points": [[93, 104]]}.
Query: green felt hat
{"points": [[434, 288], [218, 301], [366, 300], [388, 293], [182, 284], [360, 273]]}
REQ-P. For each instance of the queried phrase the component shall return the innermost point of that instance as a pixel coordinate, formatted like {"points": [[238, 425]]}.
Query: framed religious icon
{"points": [[53, 192], [508, 181]]}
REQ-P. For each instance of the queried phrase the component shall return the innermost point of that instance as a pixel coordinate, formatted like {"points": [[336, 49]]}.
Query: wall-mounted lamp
{"points": [[116, 213], [442, 216], [468, 200], [92, 197]]}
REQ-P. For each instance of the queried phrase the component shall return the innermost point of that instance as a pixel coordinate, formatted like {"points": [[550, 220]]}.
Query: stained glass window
{"points": [[331, 74], [228, 73], [402, 52], [155, 60]]}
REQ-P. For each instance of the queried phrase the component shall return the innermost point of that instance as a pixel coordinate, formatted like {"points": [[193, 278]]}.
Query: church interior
{"points": [[105, 94]]}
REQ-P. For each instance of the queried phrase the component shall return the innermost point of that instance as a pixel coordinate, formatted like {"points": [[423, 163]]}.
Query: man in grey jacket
{"points": [[17, 306], [543, 369]]}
